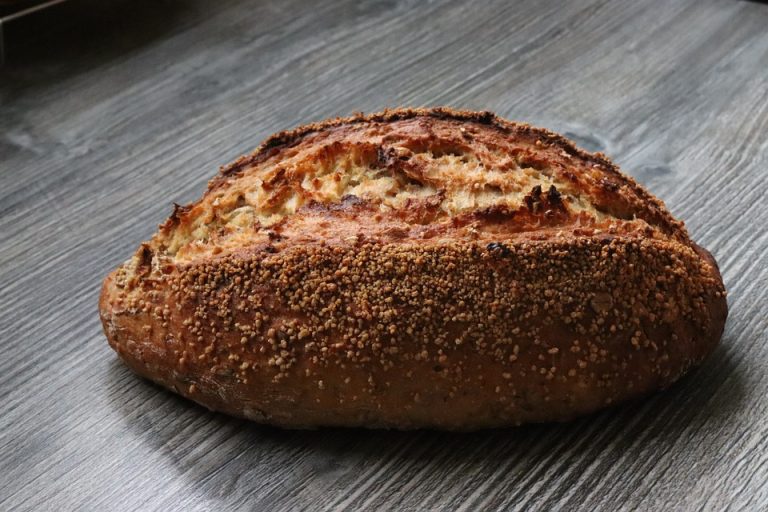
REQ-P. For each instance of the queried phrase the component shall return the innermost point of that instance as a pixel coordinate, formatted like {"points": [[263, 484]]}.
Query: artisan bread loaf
{"points": [[416, 269]]}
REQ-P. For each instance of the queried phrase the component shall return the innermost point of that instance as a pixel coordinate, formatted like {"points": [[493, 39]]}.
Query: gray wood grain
{"points": [[111, 110]]}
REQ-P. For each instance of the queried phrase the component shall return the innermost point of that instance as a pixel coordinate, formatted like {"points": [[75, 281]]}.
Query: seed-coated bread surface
{"points": [[416, 268]]}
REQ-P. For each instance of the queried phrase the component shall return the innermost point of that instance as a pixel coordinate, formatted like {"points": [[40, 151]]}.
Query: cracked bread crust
{"points": [[416, 268]]}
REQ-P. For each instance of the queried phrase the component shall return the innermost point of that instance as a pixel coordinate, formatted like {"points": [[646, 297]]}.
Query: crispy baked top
{"points": [[411, 175]]}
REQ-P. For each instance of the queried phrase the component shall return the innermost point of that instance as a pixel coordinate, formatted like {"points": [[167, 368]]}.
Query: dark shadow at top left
{"points": [[78, 35]]}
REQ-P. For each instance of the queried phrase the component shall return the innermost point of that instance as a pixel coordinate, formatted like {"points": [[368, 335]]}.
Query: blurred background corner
{"points": [[55, 34]]}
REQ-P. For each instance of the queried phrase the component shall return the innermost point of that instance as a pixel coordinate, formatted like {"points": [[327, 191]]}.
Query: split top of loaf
{"points": [[409, 176]]}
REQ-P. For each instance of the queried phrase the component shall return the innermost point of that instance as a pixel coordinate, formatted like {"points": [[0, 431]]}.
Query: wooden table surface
{"points": [[112, 110]]}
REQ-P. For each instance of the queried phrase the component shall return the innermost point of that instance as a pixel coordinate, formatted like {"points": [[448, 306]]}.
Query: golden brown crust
{"points": [[347, 313], [644, 201]]}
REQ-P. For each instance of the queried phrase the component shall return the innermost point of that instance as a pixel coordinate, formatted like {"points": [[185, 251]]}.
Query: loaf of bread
{"points": [[416, 268]]}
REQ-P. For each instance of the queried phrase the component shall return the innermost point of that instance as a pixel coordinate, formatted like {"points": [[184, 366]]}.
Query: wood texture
{"points": [[109, 116]]}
